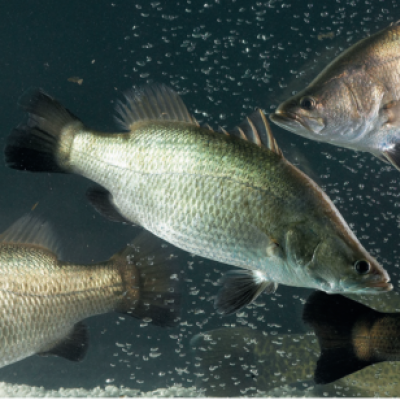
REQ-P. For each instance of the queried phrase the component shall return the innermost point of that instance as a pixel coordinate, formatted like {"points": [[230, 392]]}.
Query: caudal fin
{"points": [[150, 273], [342, 327], [36, 145]]}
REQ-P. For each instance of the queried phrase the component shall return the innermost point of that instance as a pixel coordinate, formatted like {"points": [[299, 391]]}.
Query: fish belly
{"points": [[29, 324], [191, 195], [41, 300]]}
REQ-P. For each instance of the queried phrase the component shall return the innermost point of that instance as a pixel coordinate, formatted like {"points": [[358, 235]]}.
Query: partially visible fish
{"points": [[354, 347], [351, 336], [233, 198], [388, 302], [43, 300], [355, 101]]}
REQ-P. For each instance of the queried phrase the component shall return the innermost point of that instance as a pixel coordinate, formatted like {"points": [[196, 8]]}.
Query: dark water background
{"points": [[225, 58]]}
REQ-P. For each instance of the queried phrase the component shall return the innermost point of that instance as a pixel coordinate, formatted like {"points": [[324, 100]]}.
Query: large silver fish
{"points": [[355, 101], [43, 300], [216, 195]]}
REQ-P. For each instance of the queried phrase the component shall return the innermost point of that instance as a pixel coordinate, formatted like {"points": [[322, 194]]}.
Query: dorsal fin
{"points": [[152, 102], [222, 130], [31, 230], [256, 129]]}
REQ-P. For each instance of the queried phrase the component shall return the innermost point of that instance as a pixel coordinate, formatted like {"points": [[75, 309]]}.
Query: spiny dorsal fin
{"points": [[152, 102], [221, 129], [207, 126], [31, 230], [256, 129]]}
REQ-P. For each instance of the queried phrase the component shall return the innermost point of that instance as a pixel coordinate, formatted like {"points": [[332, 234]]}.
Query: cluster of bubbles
{"points": [[226, 59]]}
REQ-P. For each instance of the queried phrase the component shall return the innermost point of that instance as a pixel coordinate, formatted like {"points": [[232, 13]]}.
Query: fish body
{"points": [[234, 362], [43, 300], [355, 101], [231, 200], [351, 336]]}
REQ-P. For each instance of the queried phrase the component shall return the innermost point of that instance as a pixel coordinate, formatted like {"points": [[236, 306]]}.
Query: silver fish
{"points": [[216, 195], [355, 101], [43, 300]]}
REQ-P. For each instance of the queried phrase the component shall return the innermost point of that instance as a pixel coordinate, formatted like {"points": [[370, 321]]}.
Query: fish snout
{"points": [[304, 125], [379, 281], [375, 282]]}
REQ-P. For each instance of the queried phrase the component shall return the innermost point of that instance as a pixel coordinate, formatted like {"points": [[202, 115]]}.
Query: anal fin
{"points": [[240, 288], [102, 201], [390, 117], [73, 347]]}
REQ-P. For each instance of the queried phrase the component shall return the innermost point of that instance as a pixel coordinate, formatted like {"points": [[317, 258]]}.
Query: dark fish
{"points": [[351, 336], [244, 362]]}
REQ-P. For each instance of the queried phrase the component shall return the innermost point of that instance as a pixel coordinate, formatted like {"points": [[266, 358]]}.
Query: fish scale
{"points": [[49, 296], [175, 184], [43, 300], [355, 101], [231, 197]]}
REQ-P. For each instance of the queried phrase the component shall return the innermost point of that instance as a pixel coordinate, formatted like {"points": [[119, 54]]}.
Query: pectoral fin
{"points": [[240, 288], [390, 114], [393, 156]]}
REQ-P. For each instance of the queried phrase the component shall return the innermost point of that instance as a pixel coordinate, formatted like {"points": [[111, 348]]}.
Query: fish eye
{"points": [[307, 103], [362, 266]]}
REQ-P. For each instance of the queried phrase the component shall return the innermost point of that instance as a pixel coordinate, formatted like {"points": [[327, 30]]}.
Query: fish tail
{"points": [[342, 327], [150, 276], [43, 142]]}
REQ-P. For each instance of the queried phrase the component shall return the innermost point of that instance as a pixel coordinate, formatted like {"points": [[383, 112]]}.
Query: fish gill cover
{"points": [[225, 60]]}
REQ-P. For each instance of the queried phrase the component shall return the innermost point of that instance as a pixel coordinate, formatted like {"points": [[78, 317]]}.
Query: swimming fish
{"points": [[240, 361], [43, 300], [355, 101], [351, 336], [233, 198]]}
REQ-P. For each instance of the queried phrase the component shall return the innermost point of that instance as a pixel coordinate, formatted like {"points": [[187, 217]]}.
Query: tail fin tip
{"points": [[33, 146]]}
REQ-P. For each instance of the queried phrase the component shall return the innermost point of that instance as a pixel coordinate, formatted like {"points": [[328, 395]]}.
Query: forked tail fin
{"points": [[42, 144]]}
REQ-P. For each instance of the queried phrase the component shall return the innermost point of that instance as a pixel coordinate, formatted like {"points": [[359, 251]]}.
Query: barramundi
{"points": [[355, 101], [230, 197], [43, 300]]}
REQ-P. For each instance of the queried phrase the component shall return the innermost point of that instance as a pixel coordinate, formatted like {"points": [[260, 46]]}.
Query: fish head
{"points": [[332, 262], [343, 266], [321, 112]]}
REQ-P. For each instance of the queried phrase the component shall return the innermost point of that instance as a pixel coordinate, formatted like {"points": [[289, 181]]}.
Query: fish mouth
{"points": [[287, 120], [296, 123], [374, 286], [383, 286]]}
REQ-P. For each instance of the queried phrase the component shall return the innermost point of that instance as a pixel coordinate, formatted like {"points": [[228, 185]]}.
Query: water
{"points": [[225, 58]]}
